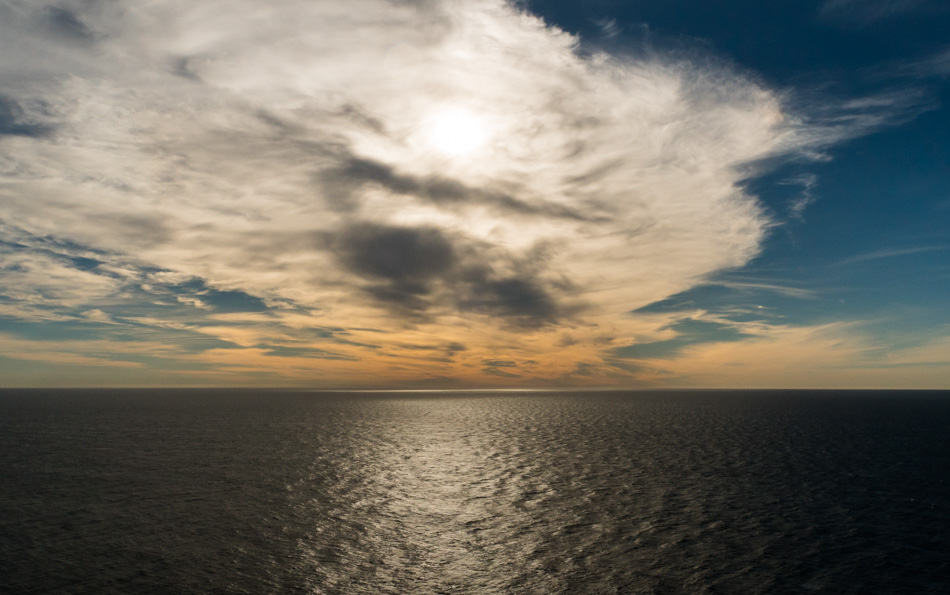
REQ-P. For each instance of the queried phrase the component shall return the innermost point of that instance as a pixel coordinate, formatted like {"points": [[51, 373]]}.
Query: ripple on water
{"points": [[587, 493]]}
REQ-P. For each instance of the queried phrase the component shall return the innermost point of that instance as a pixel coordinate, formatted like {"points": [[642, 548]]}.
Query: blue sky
{"points": [[864, 231], [428, 194]]}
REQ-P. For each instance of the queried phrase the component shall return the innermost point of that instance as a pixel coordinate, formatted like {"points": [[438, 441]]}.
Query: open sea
{"points": [[224, 491]]}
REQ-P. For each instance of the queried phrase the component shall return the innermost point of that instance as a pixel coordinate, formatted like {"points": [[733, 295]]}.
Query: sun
{"points": [[456, 132]]}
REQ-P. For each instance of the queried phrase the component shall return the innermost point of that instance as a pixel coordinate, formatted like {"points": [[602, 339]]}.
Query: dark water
{"points": [[279, 492]]}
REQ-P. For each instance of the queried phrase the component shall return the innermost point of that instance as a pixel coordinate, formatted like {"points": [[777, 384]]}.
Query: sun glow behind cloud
{"points": [[456, 132], [403, 191]]}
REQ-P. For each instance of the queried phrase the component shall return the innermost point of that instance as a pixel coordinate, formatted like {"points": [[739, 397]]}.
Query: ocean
{"points": [[269, 491]]}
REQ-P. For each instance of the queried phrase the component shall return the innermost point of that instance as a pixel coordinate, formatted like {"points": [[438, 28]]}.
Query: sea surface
{"points": [[204, 491]]}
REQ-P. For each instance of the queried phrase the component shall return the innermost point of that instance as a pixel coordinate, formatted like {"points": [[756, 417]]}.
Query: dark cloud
{"points": [[453, 348], [499, 363], [629, 367], [182, 67], [65, 24], [567, 340], [400, 254], [308, 352], [412, 347], [501, 373], [405, 260], [584, 369], [15, 122], [523, 299], [412, 269], [361, 118], [339, 185], [408, 298], [310, 335]]}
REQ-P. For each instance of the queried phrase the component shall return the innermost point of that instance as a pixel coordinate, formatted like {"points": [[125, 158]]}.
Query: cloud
{"points": [[689, 332], [342, 185], [798, 205], [65, 23], [308, 162], [608, 27], [453, 348], [523, 299], [890, 253], [934, 65], [87, 353], [939, 64], [48, 280], [420, 269], [14, 120], [407, 258], [826, 121], [839, 355], [500, 368], [724, 295]]}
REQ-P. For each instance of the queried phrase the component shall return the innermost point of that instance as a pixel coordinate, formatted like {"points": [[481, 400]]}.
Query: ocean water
{"points": [[638, 492]]}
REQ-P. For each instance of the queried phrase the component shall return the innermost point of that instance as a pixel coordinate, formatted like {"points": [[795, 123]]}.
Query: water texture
{"points": [[638, 492]]}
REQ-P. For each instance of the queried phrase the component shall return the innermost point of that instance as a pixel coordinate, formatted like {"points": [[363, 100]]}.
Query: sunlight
{"points": [[456, 132]]}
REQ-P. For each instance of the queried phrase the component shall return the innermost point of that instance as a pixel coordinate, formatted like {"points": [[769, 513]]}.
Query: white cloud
{"points": [[40, 280], [891, 253], [798, 205], [219, 140], [608, 27]]}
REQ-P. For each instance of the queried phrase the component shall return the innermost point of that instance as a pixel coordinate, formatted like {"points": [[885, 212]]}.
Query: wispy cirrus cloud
{"points": [[891, 253], [934, 65], [807, 196]]}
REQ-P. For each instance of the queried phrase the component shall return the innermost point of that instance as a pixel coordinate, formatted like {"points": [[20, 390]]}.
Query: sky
{"points": [[444, 194]]}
